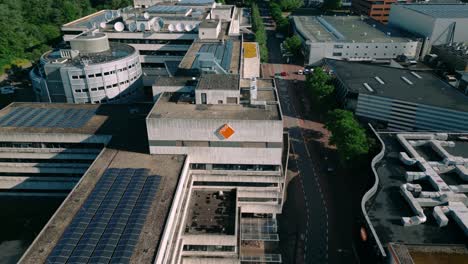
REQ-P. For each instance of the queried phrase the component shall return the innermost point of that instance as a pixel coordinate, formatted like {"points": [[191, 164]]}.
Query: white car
{"points": [[7, 90], [300, 72]]}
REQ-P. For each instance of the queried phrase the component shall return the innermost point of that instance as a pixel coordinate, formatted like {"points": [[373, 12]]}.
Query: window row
{"points": [[96, 75], [155, 41], [101, 88], [114, 99], [338, 46], [338, 54], [246, 167]]}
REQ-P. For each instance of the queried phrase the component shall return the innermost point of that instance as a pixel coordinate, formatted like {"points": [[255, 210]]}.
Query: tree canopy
{"points": [[289, 5], [293, 45], [29, 28], [348, 136], [319, 85], [331, 4], [260, 33]]}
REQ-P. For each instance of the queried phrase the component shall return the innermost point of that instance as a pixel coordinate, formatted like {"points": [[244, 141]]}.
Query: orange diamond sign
{"points": [[226, 131]]}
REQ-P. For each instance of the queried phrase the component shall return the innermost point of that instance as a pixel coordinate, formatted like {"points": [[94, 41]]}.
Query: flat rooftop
{"points": [[175, 81], [211, 213], [127, 149], [167, 167], [168, 12], [389, 206], [168, 106], [440, 10], [117, 51], [50, 118], [426, 88], [218, 82], [424, 254], [345, 29]]}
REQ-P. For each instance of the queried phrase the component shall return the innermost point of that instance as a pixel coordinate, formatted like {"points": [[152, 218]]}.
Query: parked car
{"points": [[7, 90], [284, 74], [300, 72]]}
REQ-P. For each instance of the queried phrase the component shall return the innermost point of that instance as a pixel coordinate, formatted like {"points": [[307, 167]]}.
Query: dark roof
{"points": [[440, 10], [175, 81], [219, 82], [388, 205], [427, 90]]}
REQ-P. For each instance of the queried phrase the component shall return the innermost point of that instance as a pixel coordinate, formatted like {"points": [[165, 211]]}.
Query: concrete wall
{"points": [[363, 51], [158, 90], [214, 96], [176, 130], [209, 32], [206, 129]]}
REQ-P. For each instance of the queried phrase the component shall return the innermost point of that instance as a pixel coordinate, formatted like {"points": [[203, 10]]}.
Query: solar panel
{"points": [[46, 117], [107, 227]]}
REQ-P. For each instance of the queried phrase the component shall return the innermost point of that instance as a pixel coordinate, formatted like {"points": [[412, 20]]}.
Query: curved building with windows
{"points": [[89, 70]]}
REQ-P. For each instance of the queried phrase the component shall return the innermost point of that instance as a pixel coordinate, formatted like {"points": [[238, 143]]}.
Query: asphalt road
{"points": [[326, 235]]}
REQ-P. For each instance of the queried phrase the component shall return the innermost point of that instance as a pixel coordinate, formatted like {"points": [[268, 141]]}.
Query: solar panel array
{"points": [[46, 117], [107, 227]]}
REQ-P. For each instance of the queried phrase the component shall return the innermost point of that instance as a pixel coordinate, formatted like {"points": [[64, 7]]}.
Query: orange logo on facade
{"points": [[226, 131]]}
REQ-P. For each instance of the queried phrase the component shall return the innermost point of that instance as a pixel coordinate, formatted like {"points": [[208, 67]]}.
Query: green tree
{"points": [[318, 85], [293, 45], [332, 4], [260, 32], [347, 135], [290, 5]]}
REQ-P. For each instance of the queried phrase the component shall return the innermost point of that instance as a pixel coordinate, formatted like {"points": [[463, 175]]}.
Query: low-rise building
{"points": [[351, 38], [401, 99]]}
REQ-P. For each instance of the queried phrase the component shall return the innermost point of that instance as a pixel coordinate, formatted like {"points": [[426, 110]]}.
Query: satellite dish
{"points": [[171, 27], [132, 27], [108, 15], [188, 27], [103, 25], [119, 26], [146, 15], [155, 27], [179, 27]]}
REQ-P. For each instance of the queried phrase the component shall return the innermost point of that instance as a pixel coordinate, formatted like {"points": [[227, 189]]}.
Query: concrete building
{"points": [[438, 23], [89, 70], [418, 201], [351, 38], [401, 99], [162, 31], [231, 129], [216, 196], [377, 10]]}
